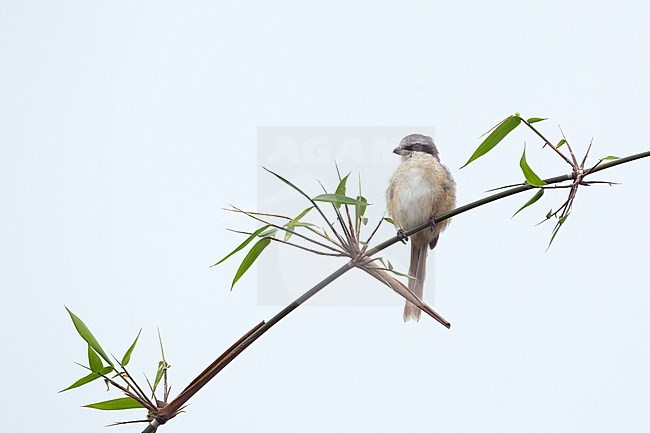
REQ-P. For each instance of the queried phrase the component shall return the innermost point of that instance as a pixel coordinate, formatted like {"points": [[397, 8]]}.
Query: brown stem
{"points": [[549, 143]]}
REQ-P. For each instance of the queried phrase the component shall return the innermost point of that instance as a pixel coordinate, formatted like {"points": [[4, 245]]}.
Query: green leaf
{"points": [[557, 229], [163, 366], [243, 244], [560, 143], [549, 214], [127, 356], [250, 258], [388, 266], [389, 220], [536, 197], [288, 183], [270, 233], [160, 372], [116, 404], [89, 378], [338, 199], [610, 158], [498, 133], [340, 189], [304, 224], [94, 361], [530, 175], [88, 336], [293, 223], [401, 274], [536, 119], [360, 209], [162, 347]]}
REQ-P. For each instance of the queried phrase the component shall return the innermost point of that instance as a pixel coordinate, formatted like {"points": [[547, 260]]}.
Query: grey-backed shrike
{"points": [[420, 189]]}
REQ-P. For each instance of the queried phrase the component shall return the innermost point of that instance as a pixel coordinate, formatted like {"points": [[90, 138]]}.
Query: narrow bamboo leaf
{"points": [[88, 336], [270, 233], [293, 223], [287, 182], [401, 274], [546, 218], [499, 133], [162, 347], [388, 266], [127, 356], [360, 209], [243, 244], [163, 366], [389, 220], [536, 119], [304, 224], [364, 220], [84, 380], [536, 197], [560, 143], [341, 188], [159, 374], [252, 255], [530, 175], [94, 361], [610, 158], [89, 378], [337, 199], [557, 229], [116, 404]]}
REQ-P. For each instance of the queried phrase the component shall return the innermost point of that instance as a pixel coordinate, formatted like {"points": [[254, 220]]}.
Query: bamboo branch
{"points": [[171, 409]]}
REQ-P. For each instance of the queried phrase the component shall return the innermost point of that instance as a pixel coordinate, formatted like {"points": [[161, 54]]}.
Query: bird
{"points": [[420, 189]]}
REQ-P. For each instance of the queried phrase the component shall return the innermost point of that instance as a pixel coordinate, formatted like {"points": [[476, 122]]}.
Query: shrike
{"points": [[421, 188]]}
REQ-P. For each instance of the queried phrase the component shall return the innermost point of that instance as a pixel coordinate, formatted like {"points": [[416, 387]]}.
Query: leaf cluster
{"points": [[509, 124]]}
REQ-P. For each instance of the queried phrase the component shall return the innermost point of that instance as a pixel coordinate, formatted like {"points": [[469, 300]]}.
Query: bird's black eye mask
{"points": [[422, 147]]}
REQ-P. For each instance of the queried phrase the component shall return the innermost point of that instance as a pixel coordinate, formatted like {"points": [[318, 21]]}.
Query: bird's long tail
{"points": [[417, 271]]}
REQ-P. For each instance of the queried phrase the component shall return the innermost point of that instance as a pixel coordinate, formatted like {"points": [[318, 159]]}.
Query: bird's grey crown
{"points": [[419, 143]]}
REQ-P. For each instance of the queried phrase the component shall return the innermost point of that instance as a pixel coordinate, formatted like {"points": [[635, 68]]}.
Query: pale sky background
{"points": [[127, 126]]}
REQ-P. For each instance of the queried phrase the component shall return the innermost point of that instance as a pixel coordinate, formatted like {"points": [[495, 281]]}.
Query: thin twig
{"points": [[288, 230], [601, 182], [134, 384], [320, 211], [568, 145], [260, 213], [351, 226], [145, 402], [339, 218], [504, 187], [135, 421], [381, 220], [321, 253], [584, 160], [548, 142]]}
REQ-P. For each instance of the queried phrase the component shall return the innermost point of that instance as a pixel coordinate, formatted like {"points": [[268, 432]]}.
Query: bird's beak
{"points": [[400, 151]]}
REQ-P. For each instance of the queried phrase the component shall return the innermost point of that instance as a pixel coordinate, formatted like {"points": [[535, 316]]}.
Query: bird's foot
{"points": [[432, 222], [401, 235]]}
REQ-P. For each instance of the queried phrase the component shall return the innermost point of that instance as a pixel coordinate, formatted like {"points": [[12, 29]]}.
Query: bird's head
{"points": [[416, 143]]}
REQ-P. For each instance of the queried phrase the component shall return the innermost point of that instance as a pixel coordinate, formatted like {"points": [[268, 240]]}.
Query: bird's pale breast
{"points": [[420, 188]]}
